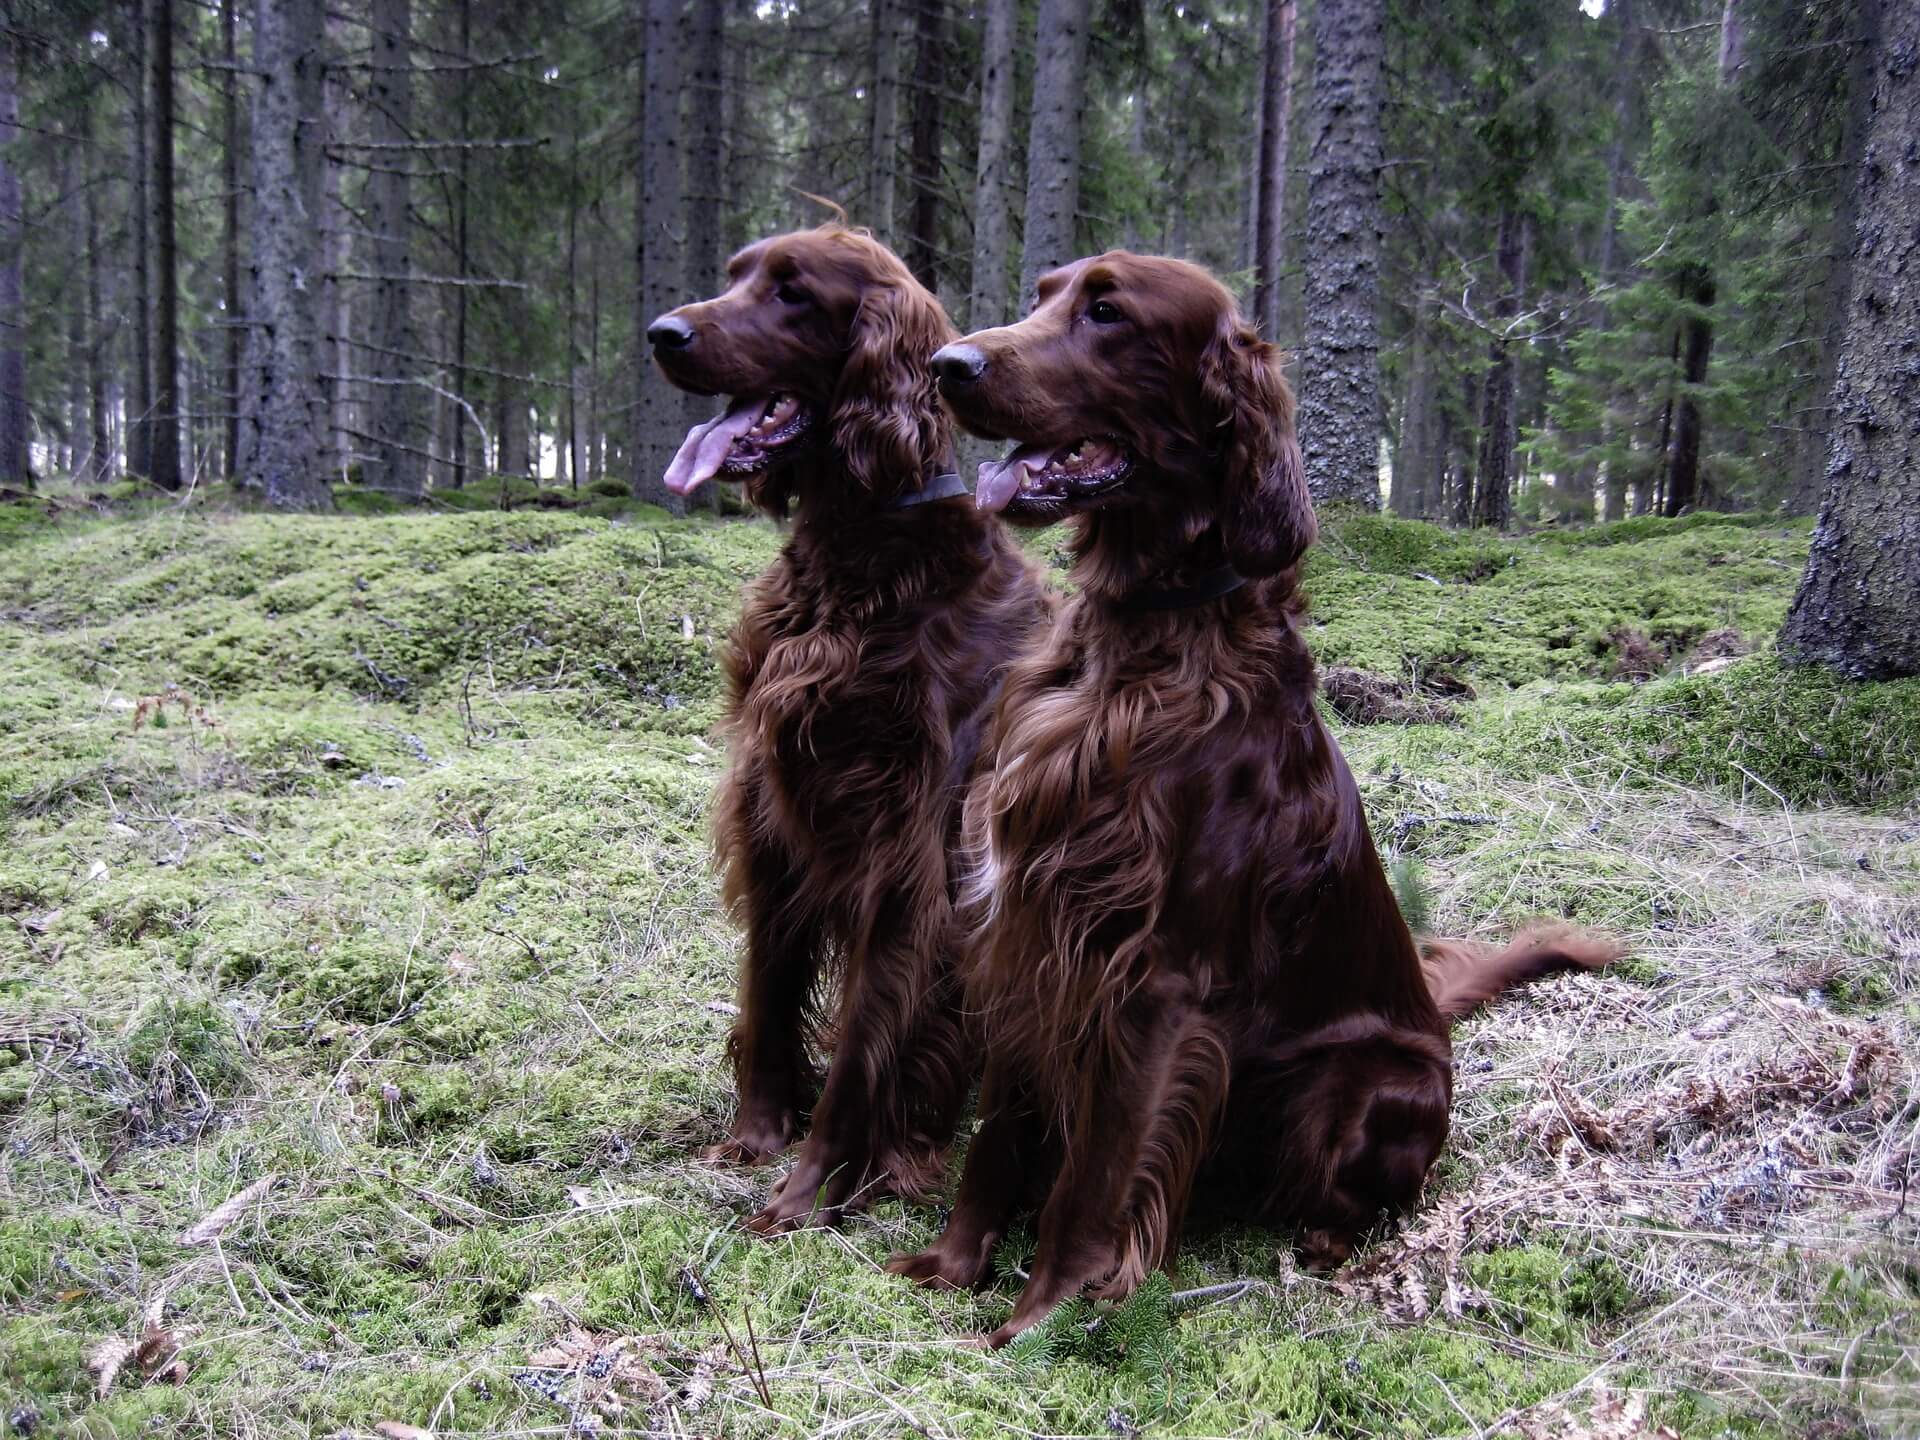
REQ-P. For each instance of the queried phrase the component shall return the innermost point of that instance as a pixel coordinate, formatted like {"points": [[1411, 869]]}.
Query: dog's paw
{"points": [[755, 1139], [938, 1268]]}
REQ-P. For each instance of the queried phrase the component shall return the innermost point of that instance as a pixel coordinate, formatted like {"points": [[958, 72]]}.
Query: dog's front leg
{"points": [[1010, 1147], [1146, 1117]]}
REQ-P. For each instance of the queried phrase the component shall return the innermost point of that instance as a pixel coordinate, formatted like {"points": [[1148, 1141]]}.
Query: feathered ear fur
{"points": [[1267, 519], [887, 418]]}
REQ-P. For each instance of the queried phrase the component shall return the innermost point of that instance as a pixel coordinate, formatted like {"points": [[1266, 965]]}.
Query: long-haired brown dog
{"points": [[860, 675], [1188, 962]]}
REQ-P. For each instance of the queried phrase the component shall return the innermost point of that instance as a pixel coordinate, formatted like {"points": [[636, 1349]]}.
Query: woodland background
{"points": [[364, 983], [1611, 264]]}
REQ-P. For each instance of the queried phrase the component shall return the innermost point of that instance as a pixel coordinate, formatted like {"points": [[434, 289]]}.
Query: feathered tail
{"points": [[1465, 974]]}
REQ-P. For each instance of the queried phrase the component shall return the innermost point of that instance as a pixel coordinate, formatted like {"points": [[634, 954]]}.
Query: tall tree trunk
{"points": [[234, 308], [706, 175], [140, 323], [100, 412], [15, 462], [659, 413], [1412, 464], [706, 156], [596, 440], [1340, 372], [1463, 448], [570, 452], [883, 118], [283, 399], [987, 305], [1053, 146], [165, 433], [1276, 111], [1493, 485], [1696, 286], [340, 361], [1586, 477], [79, 345], [1856, 605], [923, 210], [457, 381], [1810, 449], [396, 404]]}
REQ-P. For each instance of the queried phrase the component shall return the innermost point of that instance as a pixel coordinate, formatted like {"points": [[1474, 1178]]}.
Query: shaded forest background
{"points": [[419, 241]]}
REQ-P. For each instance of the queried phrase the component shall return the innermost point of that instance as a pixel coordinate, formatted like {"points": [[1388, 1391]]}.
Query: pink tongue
{"points": [[705, 449], [1000, 480]]}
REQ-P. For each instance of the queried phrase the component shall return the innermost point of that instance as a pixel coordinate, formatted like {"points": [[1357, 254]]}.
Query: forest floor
{"points": [[363, 996]]}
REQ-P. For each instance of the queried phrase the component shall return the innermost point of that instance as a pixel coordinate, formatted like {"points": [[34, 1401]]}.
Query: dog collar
{"points": [[943, 486], [1210, 585]]}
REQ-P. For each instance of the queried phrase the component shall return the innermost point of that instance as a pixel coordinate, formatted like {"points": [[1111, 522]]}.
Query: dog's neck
{"points": [[1133, 561]]}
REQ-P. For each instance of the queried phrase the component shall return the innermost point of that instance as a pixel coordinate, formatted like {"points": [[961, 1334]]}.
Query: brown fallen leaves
{"points": [[1611, 1417], [154, 1356], [589, 1370], [1826, 1061]]}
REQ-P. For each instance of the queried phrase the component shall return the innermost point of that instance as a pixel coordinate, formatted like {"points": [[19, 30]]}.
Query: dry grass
{"points": [[1735, 1119]]}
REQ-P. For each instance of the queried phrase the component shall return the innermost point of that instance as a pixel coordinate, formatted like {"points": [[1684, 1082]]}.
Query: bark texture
{"points": [[14, 469], [396, 403], [1339, 415], [164, 460], [1810, 466], [1276, 111], [230, 299], [987, 305], [283, 405], [1053, 144], [883, 127], [140, 322], [659, 414], [923, 208], [1857, 605], [1499, 431]]}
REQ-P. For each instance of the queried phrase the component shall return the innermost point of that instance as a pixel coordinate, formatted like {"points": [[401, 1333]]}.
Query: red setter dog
{"points": [[861, 674], [1190, 966]]}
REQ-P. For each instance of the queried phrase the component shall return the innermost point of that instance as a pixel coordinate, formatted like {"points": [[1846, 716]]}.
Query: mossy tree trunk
{"points": [[1858, 604]]}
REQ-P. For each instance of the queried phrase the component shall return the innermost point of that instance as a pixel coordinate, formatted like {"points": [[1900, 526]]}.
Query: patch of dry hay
{"points": [[1733, 1117]]}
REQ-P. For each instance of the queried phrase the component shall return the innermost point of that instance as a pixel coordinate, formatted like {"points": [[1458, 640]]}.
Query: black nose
{"points": [[670, 332], [959, 364]]}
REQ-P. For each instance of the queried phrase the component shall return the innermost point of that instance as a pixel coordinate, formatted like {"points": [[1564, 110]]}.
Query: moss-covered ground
{"points": [[361, 861]]}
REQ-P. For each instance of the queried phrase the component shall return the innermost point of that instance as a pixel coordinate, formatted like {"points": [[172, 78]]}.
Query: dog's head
{"points": [[821, 342], [1136, 383]]}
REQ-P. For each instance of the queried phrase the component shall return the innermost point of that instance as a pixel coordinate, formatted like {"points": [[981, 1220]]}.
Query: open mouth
{"points": [[1050, 479], [739, 443]]}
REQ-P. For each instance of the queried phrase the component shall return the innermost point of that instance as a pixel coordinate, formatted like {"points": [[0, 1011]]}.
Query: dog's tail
{"points": [[1464, 974]]}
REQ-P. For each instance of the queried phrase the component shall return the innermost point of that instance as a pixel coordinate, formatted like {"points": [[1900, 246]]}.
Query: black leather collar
{"points": [[1209, 585], [943, 486]]}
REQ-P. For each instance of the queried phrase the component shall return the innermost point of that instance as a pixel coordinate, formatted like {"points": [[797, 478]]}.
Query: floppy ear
{"points": [[1266, 519], [887, 418]]}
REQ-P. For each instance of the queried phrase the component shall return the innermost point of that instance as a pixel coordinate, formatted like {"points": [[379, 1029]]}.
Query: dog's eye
{"points": [[791, 294], [1104, 312]]}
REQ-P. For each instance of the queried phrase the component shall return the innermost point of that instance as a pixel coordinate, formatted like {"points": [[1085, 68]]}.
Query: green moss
{"points": [[422, 904]]}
